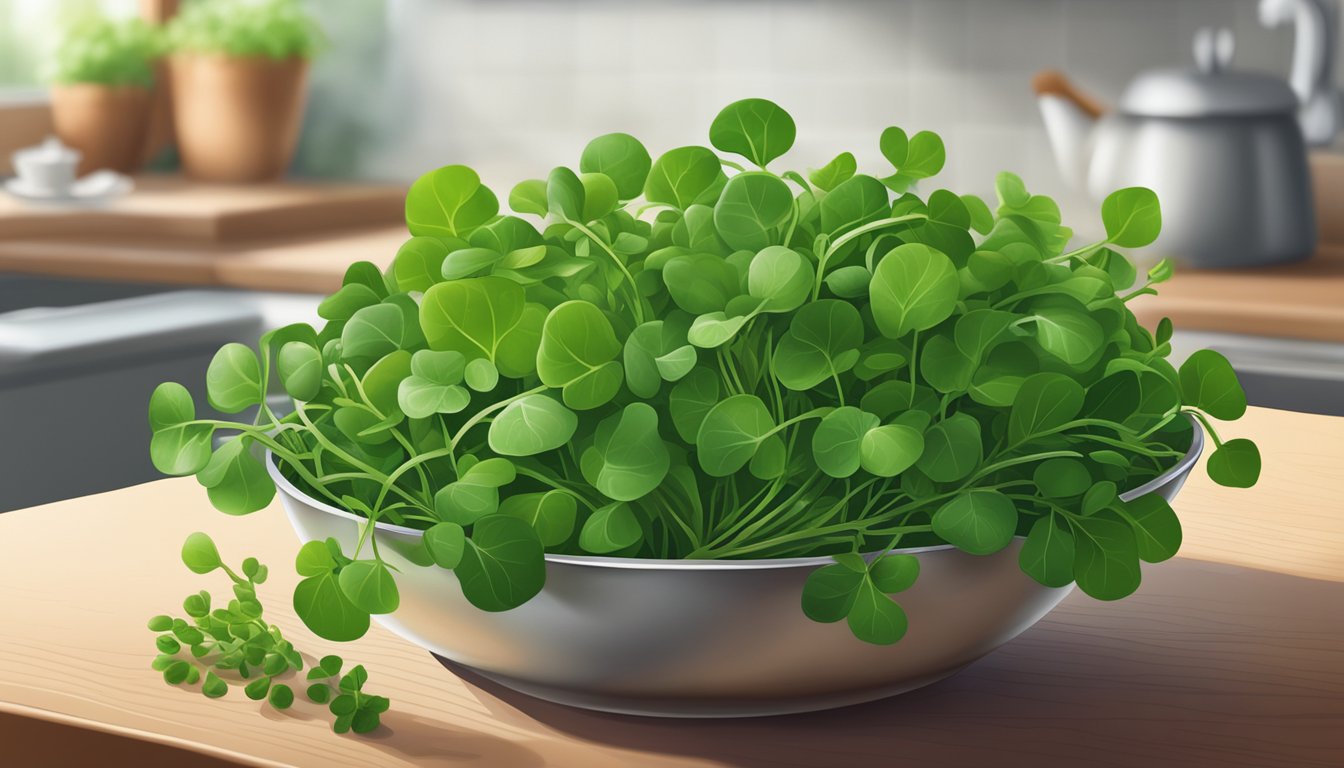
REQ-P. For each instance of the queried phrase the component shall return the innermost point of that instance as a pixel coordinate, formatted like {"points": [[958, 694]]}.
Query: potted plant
{"points": [[239, 76], [637, 455], [103, 76]]}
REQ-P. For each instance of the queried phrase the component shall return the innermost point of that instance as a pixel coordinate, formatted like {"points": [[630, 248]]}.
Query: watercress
{"points": [[746, 363], [276, 29], [235, 644], [107, 52]]}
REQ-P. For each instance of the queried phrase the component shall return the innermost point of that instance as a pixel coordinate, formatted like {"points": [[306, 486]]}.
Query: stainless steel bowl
{"points": [[705, 638]]}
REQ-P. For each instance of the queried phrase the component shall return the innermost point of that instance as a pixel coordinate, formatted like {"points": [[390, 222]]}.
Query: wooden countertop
{"points": [[1227, 656]]}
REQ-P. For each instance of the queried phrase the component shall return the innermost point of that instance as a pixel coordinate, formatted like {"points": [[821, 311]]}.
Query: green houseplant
{"points": [[743, 365], [239, 75], [103, 74]]}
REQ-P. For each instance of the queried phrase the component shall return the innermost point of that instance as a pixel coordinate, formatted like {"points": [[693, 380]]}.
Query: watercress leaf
{"points": [[977, 331], [565, 194], [633, 458], [771, 459], [780, 278], [829, 592], [300, 368], [837, 440], [503, 565], [892, 573], [1045, 402], [981, 220], [314, 559], [690, 400], [819, 335], [199, 554], [445, 543], [914, 288], [471, 316], [419, 263], [730, 434], [677, 363], [449, 201], [874, 617], [324, 608], [382, 380], [599, 195], [345, 302], [529, 197], [233, 380], [849, 282], [919, 157], [1100, 495], [577, 350], [551, 514], [1106, 558], [481, 375], [236, 482], [465, 501], [176, 448], [530, 425], [952, 448], [1161, 271], [1209, 383], [945, 367], [715, 329], [1070, 335], [889, 450], [854, 202], [979, 521], [751, 207], [1062, 478], [1048, 553], [611, 528], [894, 145], [700, 282], [829, 176], [684, 176], [1157, 531], [281, 697], [622, 158], [420, 398], [381, 329], [1235, 464], [370, 586], [1132, 217], [756, 129], [467, 262], [169, 406]]}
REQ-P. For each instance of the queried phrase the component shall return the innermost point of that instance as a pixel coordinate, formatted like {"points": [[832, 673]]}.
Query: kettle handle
{"points": [[1052, 82]]}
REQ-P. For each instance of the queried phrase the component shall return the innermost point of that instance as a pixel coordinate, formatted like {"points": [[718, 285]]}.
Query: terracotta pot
{"points": [[106, 123], [237, 119]]}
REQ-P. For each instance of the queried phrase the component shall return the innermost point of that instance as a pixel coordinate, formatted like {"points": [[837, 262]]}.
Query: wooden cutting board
{"points": [[174, 208], [1229, 656]]}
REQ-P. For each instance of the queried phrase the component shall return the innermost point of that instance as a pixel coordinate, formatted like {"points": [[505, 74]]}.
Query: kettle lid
{"points": [[1210, 90]]}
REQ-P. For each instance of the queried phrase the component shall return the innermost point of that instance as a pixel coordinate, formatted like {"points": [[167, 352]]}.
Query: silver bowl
{"points": [[704, 638]]}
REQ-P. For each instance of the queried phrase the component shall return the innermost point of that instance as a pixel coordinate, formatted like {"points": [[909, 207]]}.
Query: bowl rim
{"points": [[1181, 468]]}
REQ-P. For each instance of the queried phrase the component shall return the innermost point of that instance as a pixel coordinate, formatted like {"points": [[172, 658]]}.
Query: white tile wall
{"points": [[513, 87]]}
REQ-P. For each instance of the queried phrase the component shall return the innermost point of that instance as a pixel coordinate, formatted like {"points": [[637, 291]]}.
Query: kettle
{"points": [[1222, 149]]}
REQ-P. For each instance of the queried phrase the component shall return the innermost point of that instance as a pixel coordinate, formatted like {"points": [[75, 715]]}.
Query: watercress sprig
{"points": [[690, 356], [235, 643]]}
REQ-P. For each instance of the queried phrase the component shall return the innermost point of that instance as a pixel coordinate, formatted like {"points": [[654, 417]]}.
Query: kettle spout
{"points": [[1069, 115]]}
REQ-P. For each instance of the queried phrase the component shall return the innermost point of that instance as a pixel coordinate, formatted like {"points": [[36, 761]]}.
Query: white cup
{"points": [[48, 168]]}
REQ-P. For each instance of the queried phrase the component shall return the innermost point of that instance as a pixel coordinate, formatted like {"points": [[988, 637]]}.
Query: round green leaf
{"points": [[1236, 464], [419, 263], [370, 586], [1132, 217], [199, 554], [1062, 478], [980, 522], [690, 400], [419, 398], [236, 481], [815, 346], [503, 565], [481, 375], [450, 201], [856, 201], [551, 514], [471, 316], [1045, 402], [892, 573], [599, 196], [622, 158], [836, 443], [176, 448], [756, 129], [633, 456], [446, 542], [780, 277], [577, 350], [529, 197], [610, 529], [324, 608], [889, 450], [1106, 558], [829, 592], [829, 176], [684, 176], [1047, 554], [1209, 383], [1070, 335], [531, 425], [752, 206], [300, 368], [1157, 531], [730, 434], [914, 288], [233, 380], [701, 282], [952, 448], [874, 617]]}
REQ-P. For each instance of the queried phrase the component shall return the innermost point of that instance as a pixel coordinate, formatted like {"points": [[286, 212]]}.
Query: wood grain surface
{"points": [[171, 208], [1227, 656]]}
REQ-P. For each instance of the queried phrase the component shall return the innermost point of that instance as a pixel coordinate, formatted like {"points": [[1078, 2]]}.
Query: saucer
{"points": [[97, 187]]}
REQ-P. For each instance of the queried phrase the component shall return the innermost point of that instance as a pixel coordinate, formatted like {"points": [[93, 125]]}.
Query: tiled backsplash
{"points": [[513, 87]]}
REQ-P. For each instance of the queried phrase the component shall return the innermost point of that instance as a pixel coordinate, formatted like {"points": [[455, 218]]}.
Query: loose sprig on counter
{"points": [[211, 646]]}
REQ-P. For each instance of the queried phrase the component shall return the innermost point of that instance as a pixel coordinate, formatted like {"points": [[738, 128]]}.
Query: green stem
{"points": [[852, 235], [636, 302]]}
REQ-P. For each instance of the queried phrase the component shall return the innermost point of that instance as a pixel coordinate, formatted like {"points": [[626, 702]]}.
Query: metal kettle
{"points": [[1223, 150]]}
